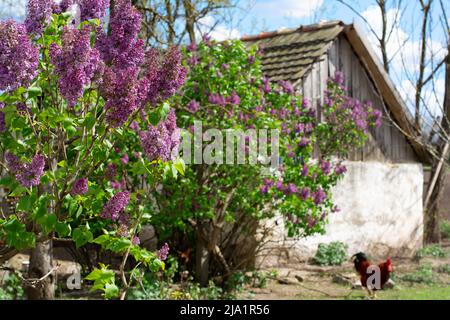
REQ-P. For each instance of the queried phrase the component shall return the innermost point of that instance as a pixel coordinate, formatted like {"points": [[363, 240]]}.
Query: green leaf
{"points": [[17, 236], [63, 229], [81, 236], [111, 291], [26, 203], [47, 222], [118, 245], [34, 92], [102, 240]]}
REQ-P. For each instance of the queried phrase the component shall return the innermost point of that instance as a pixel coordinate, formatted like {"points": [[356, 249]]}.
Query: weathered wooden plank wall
{"points": [[385, 144]]}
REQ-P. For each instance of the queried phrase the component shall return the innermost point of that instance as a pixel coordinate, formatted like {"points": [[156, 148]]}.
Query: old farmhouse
{"points": [[381, 196]]}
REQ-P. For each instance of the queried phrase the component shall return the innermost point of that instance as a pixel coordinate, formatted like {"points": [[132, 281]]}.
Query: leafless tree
{"points": [[169, 22]]}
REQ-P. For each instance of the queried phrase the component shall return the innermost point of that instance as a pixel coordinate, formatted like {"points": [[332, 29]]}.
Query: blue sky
{"points": [[255, 16]]}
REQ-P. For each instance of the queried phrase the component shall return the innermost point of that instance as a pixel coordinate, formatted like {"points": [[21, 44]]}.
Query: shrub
{"points": [[11, 288], [434, 251], [444, 268], [445, 229], [424, 275], [332, 254]]}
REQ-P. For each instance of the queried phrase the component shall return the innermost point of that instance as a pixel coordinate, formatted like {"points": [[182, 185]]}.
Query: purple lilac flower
{"points": [[325, 166], [251, 59], [339, 78], [234, 99], [119, 185], [306, 103], [192, 47], [162, 80], [299, 128], [163, 252], [135, 126], [162, 141], [38, 17], [124, 159], [214, 98], [18, 57], [266, 85], [135, 240], [111, 171], [64, 5], [28, 174], [311, 223], [305, 171], [75, 63], [339, 169], [121, 47], [172, 74], [193, 106], [114, 207], [291, 189], [93, 9], [376, 114], [80, 187], [286, 86], [319, 196], [303, 142], [123, 94], [279, 185], [264, 189], [304, 193], [193, 61]]}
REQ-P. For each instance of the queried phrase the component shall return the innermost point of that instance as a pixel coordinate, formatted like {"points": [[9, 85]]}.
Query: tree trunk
{"points": [[432, 225], [41, 263], [190, 19], [202, 257], [432, 215]]}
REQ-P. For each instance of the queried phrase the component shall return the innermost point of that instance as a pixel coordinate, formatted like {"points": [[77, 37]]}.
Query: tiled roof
{"points": [[289, 54]]}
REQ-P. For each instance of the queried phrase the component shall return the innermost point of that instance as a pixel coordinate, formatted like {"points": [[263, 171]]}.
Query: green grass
{"points": [[417, 293], [408, 293]]}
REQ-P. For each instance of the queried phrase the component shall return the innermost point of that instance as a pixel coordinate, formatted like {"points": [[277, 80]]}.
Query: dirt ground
{"points": [[305, 281]]}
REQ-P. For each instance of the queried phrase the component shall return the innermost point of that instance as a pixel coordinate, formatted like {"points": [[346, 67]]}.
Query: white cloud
{"points": [[289, 8], [401, 49], [12, 9], [218, 32]]}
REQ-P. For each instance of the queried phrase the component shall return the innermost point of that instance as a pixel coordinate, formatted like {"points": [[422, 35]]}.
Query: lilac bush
{"points": [[77, 99]]}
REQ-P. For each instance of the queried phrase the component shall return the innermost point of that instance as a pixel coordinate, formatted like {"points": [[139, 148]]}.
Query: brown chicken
{"points": [[371, 279]]}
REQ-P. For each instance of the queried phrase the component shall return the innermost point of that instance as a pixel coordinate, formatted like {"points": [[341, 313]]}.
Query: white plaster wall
{"points": [[381, 214]]}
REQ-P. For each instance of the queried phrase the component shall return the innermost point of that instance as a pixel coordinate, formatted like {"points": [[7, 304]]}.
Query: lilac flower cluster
{"points": [[193, 106], [351, 110], [18, 57], [164, 79], [319, 196], [28, 174], [93, 9], [75, 63], [122, 91], [38, 17], [114, 208], [286, 86], [163, 252], [80, 187], [121, 46], [162, 141]]}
